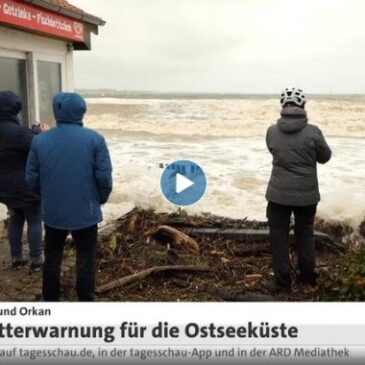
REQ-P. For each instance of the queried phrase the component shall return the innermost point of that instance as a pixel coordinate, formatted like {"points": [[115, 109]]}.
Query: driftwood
{"points": [[245, 250], [133, 223], [252, 279], [179, 222], [127, 280], [256, 235], [175, 238], [248, 235], [242, 296]]}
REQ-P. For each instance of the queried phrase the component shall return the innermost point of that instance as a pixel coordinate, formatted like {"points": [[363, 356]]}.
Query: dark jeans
{"points": [[86, 242], [32, 215], [279, 222]]}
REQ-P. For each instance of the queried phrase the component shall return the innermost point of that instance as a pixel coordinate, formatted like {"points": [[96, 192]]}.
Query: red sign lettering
{"points": [[30, 17]]}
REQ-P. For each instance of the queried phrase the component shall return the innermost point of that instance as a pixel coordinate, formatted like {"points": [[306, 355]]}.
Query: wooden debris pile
{"points": [[148, 256]]}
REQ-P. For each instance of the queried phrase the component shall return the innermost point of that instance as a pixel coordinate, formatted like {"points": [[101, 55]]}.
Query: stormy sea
{"points": [[226, 136]]}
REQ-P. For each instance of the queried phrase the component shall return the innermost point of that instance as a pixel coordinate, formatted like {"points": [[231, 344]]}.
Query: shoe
{"points": [[309, 279], [18, 262], [273, 287], [36, 264]]}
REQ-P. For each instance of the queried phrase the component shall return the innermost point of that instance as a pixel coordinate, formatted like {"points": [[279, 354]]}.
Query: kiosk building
{"points": [[37, 41]]}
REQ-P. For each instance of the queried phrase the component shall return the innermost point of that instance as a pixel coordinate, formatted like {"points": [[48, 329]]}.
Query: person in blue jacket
{"points": [[70, 167], [22, 204]]}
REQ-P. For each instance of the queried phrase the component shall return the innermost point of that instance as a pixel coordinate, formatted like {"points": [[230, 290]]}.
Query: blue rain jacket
{"points": [[70, 167]]}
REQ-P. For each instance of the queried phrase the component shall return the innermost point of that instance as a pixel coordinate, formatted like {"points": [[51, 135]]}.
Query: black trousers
{"points": [[279, 222], [86, 242]]}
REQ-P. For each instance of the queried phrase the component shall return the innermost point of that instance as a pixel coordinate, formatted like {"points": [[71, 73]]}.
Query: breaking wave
{"points": [[218, 118], [226, 137]]}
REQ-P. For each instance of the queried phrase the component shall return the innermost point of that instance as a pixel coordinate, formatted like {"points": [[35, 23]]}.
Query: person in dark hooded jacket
{"points": [[296, 147], [23, 205], [71, 168]]}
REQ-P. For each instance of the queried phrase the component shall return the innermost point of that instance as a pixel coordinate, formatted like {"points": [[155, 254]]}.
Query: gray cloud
{"points": [[225, 45]]}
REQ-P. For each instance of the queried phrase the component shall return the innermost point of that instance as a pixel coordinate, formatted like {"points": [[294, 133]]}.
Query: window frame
{"points": [[47, 58], [22, 56]]}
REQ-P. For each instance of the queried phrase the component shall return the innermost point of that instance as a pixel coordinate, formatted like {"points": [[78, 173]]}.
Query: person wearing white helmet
{"points": [[296, 147], [292, 96]]}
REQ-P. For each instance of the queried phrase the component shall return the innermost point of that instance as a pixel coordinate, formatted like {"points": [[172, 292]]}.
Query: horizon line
{"points": [[208, 92]]}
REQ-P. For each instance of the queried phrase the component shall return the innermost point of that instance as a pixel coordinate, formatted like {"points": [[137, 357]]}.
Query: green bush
{"points": [[346, 281]]}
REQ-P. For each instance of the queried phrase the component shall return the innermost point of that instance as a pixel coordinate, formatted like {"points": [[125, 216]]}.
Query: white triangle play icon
{"points": [[182, 183]]}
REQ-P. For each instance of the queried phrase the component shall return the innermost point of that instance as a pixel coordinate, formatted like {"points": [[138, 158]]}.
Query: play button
{"points": [[183, 183]]}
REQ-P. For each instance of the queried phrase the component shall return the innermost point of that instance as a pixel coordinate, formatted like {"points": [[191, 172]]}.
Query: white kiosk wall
{"points": [[36, 68]]}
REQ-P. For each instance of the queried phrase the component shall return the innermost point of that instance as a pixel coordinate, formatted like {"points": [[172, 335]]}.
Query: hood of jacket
{"points": [[10, 107], [293, 119], [69, 108]]}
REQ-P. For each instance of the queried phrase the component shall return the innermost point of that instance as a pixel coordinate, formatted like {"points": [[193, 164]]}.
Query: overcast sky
{"points": [[248, 46]]}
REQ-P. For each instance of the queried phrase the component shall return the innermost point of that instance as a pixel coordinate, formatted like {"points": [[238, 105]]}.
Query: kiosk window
{"points": [[49, 84], [13, 77]]}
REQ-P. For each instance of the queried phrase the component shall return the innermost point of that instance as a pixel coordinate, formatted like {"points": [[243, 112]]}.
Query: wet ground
{"points": [[23, 285], [15, 285]]}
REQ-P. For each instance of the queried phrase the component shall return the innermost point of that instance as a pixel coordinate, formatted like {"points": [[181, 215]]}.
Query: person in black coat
{"points": [[296, 147], [23, 204]]}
